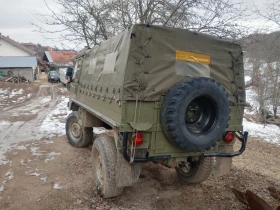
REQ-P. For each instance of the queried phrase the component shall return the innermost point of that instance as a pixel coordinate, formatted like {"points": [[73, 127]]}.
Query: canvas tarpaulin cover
{"points": [[144, 62]]}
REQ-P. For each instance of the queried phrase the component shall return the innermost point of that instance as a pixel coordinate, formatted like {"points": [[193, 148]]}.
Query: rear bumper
{"points": [[242, 137]]}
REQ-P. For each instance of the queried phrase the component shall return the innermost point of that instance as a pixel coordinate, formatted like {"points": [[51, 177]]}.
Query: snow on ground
{"points": [[16, 92], [251, 98], [46, 99], [54, 123], [4, 91], [63, 90], [270, 133]]}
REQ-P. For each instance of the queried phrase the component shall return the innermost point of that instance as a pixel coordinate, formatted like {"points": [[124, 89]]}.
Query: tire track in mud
{"points": [[12, 133], [41, 91]]}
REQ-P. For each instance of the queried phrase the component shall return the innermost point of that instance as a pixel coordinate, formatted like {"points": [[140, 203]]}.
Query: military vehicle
{"points": [[168, 95]]}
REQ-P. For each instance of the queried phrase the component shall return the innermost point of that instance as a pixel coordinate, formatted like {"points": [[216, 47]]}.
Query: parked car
{"points": [[53, 76]]}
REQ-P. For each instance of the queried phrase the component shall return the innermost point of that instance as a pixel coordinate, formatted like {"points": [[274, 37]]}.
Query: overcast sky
{"points": [[16, 15]]}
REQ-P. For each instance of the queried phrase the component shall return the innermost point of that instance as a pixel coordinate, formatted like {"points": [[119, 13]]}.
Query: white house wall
{"points": [[7, 49]]}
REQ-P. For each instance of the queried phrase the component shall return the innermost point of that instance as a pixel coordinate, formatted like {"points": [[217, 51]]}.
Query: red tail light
{"points": [[229, 136], [137, 139]]}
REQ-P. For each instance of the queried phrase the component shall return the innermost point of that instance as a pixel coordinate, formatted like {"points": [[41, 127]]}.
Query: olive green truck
{"points": [[163, 94]]}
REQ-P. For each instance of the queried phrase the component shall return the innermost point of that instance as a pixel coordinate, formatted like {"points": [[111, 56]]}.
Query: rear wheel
{"points": [[194, 171], [104, 162], [77, 135]]}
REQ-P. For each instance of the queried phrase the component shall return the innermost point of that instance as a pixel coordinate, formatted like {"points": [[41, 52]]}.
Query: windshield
{"points": [[53, 73]]}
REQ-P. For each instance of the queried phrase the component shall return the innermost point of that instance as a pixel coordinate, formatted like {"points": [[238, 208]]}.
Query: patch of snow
{"points": [[10, 175], [54, 154], [3, 123], [57, 186], [1, 189], [270, 133], [251, 98], [21, 98], [22, 162], [247, 79], [44, 179], [4, 91], [21, 147], [99, 130], [63, 90], [54, 123], [16, 92], [34, 174], [36, 151], [45, 100], [29, 95], [51, 156], [46, 142]]}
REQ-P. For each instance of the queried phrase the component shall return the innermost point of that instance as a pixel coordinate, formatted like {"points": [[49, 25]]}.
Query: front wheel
{"points": [[77, 135], [195, 171], [104, 164]]}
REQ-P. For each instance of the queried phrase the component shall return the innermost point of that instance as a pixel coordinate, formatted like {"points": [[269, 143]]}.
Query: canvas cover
{"points": [[143, 62]]}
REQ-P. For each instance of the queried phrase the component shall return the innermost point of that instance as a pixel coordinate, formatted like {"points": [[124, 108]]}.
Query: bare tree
{"points": [[262, 52], [271, 11], [92, 21]]}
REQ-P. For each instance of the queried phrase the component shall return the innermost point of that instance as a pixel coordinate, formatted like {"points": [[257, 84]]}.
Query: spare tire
{"points": [[195, 113]]}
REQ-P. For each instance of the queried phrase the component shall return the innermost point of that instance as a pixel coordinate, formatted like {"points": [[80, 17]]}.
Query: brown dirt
{"points": [[159, 187], [22, 184]]}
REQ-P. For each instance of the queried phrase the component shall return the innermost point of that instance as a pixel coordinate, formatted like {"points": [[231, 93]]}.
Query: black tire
{"points": [[195, 113], [196, 171], [77, 135], [104, 163]]}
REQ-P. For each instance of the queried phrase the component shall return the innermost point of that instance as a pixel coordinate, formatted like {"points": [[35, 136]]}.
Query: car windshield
{"points": [[53, 73]]}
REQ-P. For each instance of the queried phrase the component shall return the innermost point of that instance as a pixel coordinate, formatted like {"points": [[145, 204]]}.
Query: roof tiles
{"points": [[60, 56]]}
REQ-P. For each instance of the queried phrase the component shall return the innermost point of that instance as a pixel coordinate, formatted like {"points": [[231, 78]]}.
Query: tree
{"points": [[92, 21], [262, 53], [271, 11]]}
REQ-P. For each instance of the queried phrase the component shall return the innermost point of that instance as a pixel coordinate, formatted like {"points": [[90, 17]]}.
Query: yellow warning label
{"points": [[192, 57]]}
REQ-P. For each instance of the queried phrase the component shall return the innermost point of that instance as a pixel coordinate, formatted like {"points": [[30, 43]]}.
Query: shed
{"points": [[18, 66]]}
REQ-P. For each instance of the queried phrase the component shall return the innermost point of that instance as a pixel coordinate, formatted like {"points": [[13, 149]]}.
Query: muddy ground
{"points": [[48, 173]]}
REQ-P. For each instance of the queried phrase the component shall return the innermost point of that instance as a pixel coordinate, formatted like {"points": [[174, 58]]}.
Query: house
{"points": [[59, 59], [9, 47], [18, 66], [16, 60]]}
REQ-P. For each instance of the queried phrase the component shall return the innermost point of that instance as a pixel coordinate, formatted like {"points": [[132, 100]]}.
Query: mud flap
{"points": [[223, 164], [127, 174]]}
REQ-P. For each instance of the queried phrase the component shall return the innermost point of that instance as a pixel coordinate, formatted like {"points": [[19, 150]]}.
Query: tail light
{"points": [[137, 139], [229, 136]]}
